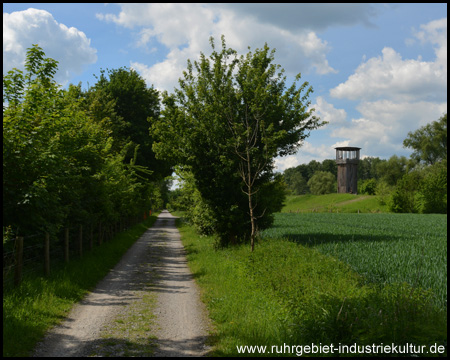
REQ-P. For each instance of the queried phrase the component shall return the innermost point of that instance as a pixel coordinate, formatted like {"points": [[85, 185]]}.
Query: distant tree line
{"points": [[303, 179], [415, 184]]}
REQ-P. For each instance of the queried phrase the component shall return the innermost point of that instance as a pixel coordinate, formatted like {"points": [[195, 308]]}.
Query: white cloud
{"points": [[173, 25], [313, 16], [283, 163], [435, 32], [384, 125], [185, 29], [163, 75], [395, 95], [307, 152], [390, 77], [379, 131], [327, 112], [69, 46], [312, 151]]}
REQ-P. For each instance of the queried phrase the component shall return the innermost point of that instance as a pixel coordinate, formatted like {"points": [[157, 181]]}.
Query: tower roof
{"points": [[347, 148]]}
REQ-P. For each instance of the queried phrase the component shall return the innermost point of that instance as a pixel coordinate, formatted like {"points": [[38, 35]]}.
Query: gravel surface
{"points": [[148, 305]]}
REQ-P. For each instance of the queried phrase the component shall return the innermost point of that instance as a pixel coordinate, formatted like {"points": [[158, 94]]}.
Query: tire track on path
{"points": [[155, 265], [182, 319]]}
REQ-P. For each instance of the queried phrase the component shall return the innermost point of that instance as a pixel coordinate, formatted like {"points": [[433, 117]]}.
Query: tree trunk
{"points": [[252, 219], [250, 204]]}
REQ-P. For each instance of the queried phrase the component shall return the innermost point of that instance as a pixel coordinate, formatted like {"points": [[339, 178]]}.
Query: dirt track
{"points": [[115, 318]]}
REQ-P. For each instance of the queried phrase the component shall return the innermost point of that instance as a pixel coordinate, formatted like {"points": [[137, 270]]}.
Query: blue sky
{"points": [[378, 71]]}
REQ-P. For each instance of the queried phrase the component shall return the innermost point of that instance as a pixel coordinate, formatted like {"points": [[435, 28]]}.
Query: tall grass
{"points": [[41, 302], [286, 293]]}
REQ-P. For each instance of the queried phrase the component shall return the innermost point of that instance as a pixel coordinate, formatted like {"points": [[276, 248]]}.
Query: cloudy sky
{"points": [[378, 70]]}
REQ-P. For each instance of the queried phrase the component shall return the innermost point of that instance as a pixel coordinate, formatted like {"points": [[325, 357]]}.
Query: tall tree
{"points": [[295, 181], [429, 142], [367, 168], [131, 106], [228, 121], [322, 182], [330, 165], [393, 169], [58, 162]]}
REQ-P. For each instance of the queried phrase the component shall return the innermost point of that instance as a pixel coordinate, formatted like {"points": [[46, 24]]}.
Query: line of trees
{"points": [[424, 187], [415, 184], [320, 177], [79, 156], [73, 156]]}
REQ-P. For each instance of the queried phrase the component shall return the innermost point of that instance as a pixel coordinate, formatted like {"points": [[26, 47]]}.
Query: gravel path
{"points": [[147, 305]]}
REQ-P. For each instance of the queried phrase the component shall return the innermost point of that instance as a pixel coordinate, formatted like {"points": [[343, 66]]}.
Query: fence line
{"points": [[20, 258]]}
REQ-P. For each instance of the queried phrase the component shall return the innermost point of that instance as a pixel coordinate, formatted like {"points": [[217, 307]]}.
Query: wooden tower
{"points": [[347, 159]]}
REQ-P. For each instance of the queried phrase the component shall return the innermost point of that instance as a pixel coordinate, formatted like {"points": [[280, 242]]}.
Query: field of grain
{"points": [[334, 203], [384, 248], [289, 292]]}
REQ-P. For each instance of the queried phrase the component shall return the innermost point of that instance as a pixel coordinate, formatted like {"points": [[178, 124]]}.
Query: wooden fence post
{"points": [[100, 233], [80, 241], [91, 237], [66, 245], [47, 254], [19, 260]]}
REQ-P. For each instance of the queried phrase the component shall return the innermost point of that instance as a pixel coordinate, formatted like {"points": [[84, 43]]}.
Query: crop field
{"points": [[333, 203], [384, 248]]}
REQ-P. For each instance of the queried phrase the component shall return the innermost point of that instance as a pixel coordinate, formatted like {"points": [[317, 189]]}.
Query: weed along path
{"points": [[148, 305]]}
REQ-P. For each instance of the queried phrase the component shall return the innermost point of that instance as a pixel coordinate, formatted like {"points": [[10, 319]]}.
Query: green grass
{"points": [[342, 203], [384, 248], [41, 302], [287, 293]]}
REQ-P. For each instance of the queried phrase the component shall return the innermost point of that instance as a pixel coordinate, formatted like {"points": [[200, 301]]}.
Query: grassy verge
{"points": [[286, 293], [41, 302], [342, 203]]}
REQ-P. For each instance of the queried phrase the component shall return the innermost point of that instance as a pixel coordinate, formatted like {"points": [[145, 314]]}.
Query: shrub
{"points": [[405, 197], [384, 191], [433, 191], [368, 187], [322, 182]]}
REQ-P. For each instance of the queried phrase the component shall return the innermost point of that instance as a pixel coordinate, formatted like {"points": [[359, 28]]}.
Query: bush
{"points": [[384, 191], [322, 182], [368, 187], [405, 198], [421, 191], [271, 197], [433, 191]]}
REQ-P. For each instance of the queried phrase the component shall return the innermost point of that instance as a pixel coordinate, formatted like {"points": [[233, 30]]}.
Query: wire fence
{"points": [[37, 254]]}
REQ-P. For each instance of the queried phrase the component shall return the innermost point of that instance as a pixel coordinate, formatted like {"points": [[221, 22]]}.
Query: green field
{"points": [[335, 203], [326, 278], [384, 248]]}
